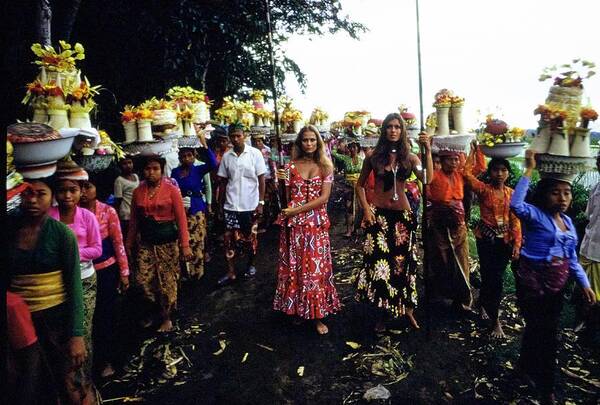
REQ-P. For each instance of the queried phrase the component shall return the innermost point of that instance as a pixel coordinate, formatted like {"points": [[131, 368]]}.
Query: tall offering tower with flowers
{"points": [[562, 141], [563, 124]]}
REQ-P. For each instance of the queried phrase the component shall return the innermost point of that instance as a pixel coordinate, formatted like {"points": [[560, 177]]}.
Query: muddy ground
{"points": [[229, 347]]}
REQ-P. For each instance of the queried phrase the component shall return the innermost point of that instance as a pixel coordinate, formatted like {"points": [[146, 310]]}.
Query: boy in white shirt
{"points": [[242, 174]]}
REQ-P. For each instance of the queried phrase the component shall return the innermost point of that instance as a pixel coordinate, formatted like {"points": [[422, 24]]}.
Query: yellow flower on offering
{"points": [[63, 61], [258, 95]]}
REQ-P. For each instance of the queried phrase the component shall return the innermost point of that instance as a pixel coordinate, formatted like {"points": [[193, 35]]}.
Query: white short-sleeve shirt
{"points": [[242, 174]]}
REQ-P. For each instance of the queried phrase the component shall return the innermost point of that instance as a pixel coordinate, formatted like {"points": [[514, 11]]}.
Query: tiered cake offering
{"points": [[60, 98], [562, 142], [319, 118], [447, 123], [261, 116], [291, 120]]}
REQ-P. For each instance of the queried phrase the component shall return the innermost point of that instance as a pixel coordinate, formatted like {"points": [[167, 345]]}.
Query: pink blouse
{"points": [[110, 227], [86, 229]]}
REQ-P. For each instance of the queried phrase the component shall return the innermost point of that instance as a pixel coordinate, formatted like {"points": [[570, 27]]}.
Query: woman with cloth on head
{"points": [[112, 270], [352, 165], [498, 232], [305, 285], [158, 219], [388, 276], [448, 271], [69, 179], [190, 178], [44, 269], [548, 257]]}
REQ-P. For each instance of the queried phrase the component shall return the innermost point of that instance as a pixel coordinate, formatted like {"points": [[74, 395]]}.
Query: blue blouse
{"points": [[192, 185], [542, 239]]}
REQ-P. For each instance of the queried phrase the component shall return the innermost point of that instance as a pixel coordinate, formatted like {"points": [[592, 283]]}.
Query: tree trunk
{"points": [[44, 22], [65, 13]]}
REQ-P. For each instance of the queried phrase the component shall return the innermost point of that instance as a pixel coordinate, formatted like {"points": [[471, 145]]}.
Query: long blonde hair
{"points": [[319, 157]]}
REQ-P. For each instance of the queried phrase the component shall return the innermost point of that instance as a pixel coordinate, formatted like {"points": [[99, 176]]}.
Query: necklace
{"points": [[394, 171], [152, 194]]}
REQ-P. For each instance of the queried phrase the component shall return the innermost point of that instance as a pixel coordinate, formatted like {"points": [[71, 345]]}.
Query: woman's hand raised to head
{"points": [[530, 159]]}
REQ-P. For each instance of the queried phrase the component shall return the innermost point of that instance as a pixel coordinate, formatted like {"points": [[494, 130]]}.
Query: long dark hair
{"points": [[381, 155], [542, 189]]}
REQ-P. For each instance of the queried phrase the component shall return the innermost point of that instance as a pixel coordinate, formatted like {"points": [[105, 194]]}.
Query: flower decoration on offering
{"points": [[587, 114], [570, 74], [448, 108], [410, 120], [318, 116], [63, 61], [567, 89], [431, 124], [498, 140], [559, 137], [258, 98], [457, 101], [128, 114], [443, 98], [291, 118]]}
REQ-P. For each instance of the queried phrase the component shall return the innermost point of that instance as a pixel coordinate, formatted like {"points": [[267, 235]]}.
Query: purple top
{"points": [[192, 185], [542, 239], [87, 230]]}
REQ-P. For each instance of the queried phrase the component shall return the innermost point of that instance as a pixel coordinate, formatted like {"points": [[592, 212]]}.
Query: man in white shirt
{"points": [[242, 174]]}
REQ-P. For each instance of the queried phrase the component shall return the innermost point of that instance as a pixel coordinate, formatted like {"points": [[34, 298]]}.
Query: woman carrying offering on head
{"points": [[190, 178], [547, 259], [388, 276], [305, 286], [498, 232], [158, 218], [43, 260]]}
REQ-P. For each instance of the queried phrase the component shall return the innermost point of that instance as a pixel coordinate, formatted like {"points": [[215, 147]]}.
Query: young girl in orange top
{"points": [[498, 233]]}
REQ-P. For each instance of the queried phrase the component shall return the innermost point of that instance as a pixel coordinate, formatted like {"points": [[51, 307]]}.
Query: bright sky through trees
{"points": [[490, 52]]}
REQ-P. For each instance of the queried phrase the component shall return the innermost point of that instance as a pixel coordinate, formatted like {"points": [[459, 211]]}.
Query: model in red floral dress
{"points": [[305, 279]]}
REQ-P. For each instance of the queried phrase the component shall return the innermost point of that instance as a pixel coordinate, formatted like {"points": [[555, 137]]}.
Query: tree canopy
{"points": [[140, 48]]}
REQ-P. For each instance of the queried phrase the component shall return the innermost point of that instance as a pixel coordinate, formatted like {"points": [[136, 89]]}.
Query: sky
{"points": [[489, 52]]}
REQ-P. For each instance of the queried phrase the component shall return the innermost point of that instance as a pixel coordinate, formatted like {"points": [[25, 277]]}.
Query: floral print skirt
{"points": [[305, 276], [197, 229], [158, 273], [388, 276]]}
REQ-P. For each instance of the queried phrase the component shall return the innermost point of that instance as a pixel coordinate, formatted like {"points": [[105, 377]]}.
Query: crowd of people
{"points": [[71, 255]]}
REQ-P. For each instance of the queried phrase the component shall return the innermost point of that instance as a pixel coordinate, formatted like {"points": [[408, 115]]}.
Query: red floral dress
{"points": [[305, 277]]}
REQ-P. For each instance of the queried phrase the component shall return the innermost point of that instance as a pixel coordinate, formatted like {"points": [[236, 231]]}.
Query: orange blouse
{"points": [[444, 188], [165, 205], [492, 207]]}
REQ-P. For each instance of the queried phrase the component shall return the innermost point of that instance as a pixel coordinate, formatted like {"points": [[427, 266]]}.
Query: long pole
{"points": [[282, 194], [424, 230]]}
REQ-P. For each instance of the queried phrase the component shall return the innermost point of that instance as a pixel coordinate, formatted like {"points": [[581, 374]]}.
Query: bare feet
{"points": [[380, 327], [322, 329], [348, 233], [108, 371], [497, 331], [166, 326], [411, 319], [483, 314]]}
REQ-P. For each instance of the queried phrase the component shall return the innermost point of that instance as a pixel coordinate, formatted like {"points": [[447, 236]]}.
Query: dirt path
{"points": [[231, 348]]}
